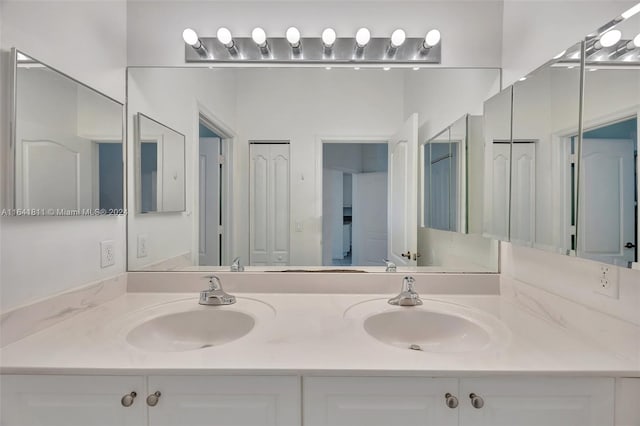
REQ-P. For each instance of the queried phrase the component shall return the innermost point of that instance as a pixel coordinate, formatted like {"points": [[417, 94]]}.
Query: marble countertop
{"points": [[311, 334]]}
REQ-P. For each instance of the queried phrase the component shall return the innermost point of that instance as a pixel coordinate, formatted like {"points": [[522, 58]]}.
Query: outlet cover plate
{"points": [[143, 248], [107, 254], [607, 282]]}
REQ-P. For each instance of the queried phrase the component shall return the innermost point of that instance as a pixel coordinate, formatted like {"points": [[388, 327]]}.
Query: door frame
{"points": [[320, 141], [228, 144]]}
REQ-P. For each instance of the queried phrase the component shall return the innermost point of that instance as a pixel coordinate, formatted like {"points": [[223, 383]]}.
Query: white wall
{"points": [[534, 31], [41, 256], [175, 97], [471, 30]]}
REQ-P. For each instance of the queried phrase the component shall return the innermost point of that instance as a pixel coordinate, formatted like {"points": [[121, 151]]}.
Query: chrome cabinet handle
{"points": [[476, 401], [127, 400], [152, 400], [451, 401]]}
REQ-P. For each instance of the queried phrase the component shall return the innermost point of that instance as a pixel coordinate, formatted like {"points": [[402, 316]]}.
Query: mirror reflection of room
{"points": [[284, 182]]}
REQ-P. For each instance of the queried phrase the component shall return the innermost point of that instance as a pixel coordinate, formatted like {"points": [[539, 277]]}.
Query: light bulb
{"points": [[362, 37], [259, 36], [293, 36], [190, 37], [610, 38], [398, 37], [629, 13], [328, 37], [386, 68], [636, 41], [224, 36], [431, 39]]}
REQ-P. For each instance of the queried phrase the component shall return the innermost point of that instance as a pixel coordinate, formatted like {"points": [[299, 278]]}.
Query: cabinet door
{"points": [[379, 401], [71, 400], [526, 401], [225, 400]]}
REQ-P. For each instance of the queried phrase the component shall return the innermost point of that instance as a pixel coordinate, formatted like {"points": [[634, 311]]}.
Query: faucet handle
{"points": [[236, 266], [407, 283], [391, 267], [215, 283]]}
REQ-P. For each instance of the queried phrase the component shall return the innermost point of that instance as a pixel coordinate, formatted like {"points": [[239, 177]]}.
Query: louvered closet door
{"points": [[269, 204]]}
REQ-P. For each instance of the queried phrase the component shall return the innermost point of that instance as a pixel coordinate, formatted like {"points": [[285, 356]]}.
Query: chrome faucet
{"points": [[408, 295], [391, 267], [215, 295], [236, 266]]}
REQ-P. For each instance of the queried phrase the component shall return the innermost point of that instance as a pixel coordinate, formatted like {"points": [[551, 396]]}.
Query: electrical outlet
{"points": [[107, 254], [607, 283], [142, 245]]}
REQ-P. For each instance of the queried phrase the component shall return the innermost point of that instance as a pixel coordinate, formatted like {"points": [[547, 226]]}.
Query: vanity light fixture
{"points": [[326, 49], [191, 38], [259, 37], [363, 35], [293, 37]]}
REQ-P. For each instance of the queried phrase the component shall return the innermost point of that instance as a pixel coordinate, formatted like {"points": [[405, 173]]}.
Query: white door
{"points": [[209, 199], [269, 204], [606, 211], [402, 203], [71, 401], [497, 187], [332, 215], [225, 401], [523, 192], [378, 401], [537, 402], [369, 218]]}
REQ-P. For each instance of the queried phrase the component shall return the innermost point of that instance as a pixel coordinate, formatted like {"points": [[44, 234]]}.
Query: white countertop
{"points": [[310, 334]]}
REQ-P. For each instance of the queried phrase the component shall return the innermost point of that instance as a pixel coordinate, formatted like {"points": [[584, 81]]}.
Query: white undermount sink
{"points": [[435, 326], [186, 325]]}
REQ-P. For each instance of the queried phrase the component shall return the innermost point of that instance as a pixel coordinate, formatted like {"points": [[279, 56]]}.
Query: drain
{"points": [[415, 347]]}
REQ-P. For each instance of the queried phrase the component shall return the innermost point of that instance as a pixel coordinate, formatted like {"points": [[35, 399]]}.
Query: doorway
{"points": [[354, 203], [214, 174]]}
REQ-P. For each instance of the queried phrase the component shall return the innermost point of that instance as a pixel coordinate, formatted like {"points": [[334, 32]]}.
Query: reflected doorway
{"points": [[354, 204]]}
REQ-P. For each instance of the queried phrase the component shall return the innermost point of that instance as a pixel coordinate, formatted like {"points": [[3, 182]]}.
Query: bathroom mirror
{"points": [[546, 107], [297, 167], [160, 167], [497, 165], [66, 144], [445, 182], [608, 185]]}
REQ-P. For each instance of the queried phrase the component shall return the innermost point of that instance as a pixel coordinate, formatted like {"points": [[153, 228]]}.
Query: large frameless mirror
{"points": [[66, 144], [302, 167], [608, 186]]}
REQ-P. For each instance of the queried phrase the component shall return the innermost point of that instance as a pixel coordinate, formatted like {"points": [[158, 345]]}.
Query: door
{"points": [[225, 401], [332, 215], [537, 401], [209, 237], [71, 401], [269, 204], [607, 197], [497, 187], [369, 218], [378, 401], [402, 207], [523, 187]]}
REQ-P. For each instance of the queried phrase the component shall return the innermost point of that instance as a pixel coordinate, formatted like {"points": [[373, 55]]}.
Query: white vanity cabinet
{"points": [[378, 401], [503, 401], [529, 401], [40, 400], [225, 401]]}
